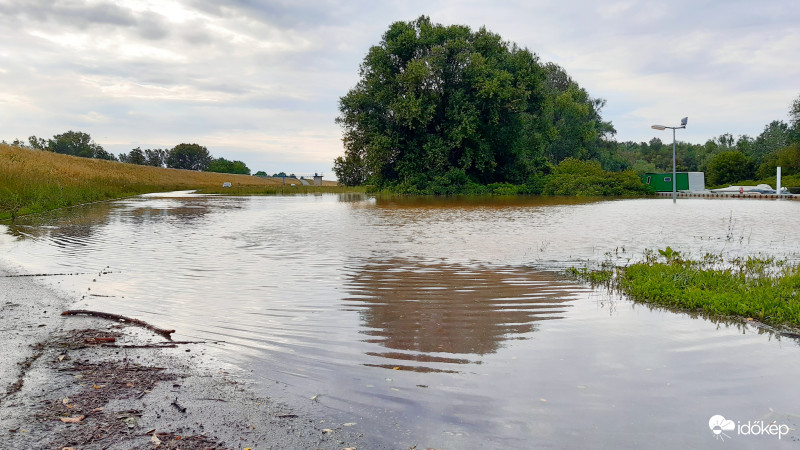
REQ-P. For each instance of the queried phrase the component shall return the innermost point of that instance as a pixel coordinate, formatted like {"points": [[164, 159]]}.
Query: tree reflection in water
{"points": [[437, 313]]}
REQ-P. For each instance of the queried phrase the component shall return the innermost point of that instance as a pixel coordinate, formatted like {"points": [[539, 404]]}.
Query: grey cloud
{"points": [[285, 13], [197, 36], [77, 13], [152, 27], [83, 15]]}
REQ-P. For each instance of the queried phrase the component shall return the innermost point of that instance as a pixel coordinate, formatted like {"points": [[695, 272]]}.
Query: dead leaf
{"points": [[65, 401], [72, 419], [61, 358], [96, 410], [155, 439], [326, 431]]}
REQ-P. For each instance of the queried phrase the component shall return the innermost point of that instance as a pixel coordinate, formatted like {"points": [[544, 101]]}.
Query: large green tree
{"points": [[435, 100], [155, 157], [728, 167], [787, 158], [776, 135], [222, 165], [135, 156], [75, 143], [794, 114], [189, 157], [576, 128]]}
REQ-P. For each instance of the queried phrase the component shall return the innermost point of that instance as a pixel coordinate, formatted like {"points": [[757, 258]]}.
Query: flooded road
{"points": [[441, 322]]}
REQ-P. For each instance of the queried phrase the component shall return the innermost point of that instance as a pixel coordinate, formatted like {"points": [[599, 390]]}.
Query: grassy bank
{"points": [[761, 289], [33, 181]]}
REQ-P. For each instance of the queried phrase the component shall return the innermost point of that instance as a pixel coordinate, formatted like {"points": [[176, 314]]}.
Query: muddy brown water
{"points": [[442, 322]]}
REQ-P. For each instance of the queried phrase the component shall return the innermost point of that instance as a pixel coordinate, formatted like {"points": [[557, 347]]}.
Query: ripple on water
{"points": [[425, 318]]}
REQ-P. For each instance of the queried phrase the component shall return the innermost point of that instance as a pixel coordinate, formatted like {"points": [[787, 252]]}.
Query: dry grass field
{"points": [[33, 181]]}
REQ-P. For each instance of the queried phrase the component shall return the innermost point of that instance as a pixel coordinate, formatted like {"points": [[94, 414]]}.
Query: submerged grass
{"points": [[761, 289], [33, 181]]}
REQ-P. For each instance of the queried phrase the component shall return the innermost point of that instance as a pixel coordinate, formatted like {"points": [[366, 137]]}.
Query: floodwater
{"points": [[442, 322]]}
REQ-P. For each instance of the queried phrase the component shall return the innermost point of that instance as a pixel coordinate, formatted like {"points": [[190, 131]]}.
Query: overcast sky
{"points": [[260, 80]]}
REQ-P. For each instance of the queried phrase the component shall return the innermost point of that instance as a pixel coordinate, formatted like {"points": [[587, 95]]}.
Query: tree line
{"points": [[442, 104], [181, 156], [724, 159]]}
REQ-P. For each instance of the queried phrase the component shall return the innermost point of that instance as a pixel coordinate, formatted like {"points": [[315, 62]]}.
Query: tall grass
{"points": [[33, 181], [761, 289]]}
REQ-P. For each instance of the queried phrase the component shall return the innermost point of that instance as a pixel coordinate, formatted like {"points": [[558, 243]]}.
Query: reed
{"points": [[33, 181], [761, 289]]}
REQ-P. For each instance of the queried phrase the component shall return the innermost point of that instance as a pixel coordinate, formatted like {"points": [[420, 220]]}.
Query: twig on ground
{"points": [[117, 317]]}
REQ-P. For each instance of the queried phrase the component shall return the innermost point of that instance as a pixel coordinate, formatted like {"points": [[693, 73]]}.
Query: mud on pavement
{"points": [[86, 383]]}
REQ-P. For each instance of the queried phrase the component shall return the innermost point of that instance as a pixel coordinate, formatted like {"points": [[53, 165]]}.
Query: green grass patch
{"points": [[762, 289]]}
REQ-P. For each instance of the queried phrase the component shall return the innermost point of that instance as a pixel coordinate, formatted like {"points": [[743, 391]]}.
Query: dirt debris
{"points": [[80, 383]]}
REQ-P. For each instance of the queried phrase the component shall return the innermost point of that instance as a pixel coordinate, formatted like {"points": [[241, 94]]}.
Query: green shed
{"points": [[685, 181]]}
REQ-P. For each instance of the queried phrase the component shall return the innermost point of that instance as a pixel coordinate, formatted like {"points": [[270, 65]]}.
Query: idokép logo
{"points": [[719, 425]]}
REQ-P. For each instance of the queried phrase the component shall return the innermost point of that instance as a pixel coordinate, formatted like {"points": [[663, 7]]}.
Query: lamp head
{"points": [[683, 121], [658, 127]]}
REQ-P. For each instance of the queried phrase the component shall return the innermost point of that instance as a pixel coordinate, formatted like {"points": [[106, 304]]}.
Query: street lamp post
{"points": [[674, 173]]}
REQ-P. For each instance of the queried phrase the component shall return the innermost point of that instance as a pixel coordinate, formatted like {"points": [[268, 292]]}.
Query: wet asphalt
{"points": [[202, 399]]}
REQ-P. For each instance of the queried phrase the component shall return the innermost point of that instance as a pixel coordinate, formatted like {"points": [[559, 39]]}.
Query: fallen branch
{"points": [[117, 317], [162, 345], [97, 340]]}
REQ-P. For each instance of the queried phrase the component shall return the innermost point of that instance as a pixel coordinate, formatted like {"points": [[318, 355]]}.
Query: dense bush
{"points": [[587, 178], [728, 167]]}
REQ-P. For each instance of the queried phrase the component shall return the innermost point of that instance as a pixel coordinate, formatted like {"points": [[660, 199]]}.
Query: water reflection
{"points": [[323, 294], [75, 227], [68, 227], [472, 202], [449, 309]]}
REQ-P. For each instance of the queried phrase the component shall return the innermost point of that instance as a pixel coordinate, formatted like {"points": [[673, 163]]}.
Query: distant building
{"points": [[317, 180], [685, 181]]}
